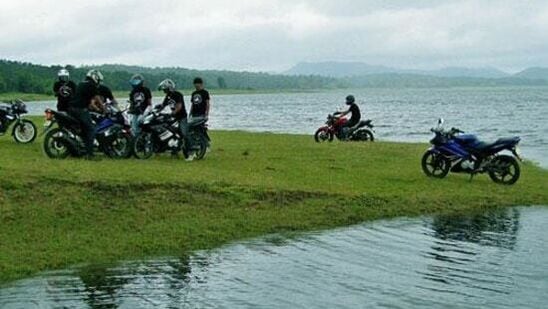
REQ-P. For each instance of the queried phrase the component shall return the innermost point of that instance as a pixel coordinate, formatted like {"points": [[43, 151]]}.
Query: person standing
{"points": [[63, 89], [86, 96], [199, 110], [140, 98], [201, 102]]}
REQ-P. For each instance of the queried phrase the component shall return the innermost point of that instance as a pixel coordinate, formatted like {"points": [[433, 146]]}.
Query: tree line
{"points": [[32, 78]]}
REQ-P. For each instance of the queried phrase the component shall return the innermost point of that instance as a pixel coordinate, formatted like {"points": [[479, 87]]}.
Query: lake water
{"points": [[400, 114], [492, 259]]}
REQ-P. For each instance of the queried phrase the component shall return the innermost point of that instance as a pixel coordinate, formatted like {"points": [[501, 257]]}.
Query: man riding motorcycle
{"points": [[63, 89], [355, 117], [87, 96], [175, 100], [140, 98]]}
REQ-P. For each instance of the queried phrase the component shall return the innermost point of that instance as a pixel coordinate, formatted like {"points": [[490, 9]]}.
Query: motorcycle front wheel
{"points": [[143, 146], [435, 165], [54, 146], [120, 147], [323, 135], [24, 132], [504, 170]]}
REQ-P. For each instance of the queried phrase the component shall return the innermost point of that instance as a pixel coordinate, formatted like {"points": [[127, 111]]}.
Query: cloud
{"points": [[273, 35]]}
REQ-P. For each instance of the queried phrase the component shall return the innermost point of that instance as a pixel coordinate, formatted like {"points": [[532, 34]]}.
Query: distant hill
{"points": [[349, 69], [337, 69], [534, 73]]}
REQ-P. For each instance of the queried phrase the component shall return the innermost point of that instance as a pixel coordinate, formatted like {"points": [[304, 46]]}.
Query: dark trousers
{"points": [[88, 129]]}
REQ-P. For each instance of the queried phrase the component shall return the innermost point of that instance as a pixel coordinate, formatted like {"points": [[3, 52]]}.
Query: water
{"points": [[493, 259], [400, 114]]}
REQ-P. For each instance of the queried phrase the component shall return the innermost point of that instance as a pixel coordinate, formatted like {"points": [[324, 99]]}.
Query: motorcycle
{"points": [[454, 151], [24, 131], [112, 137], [334, 127], [161, 133]]}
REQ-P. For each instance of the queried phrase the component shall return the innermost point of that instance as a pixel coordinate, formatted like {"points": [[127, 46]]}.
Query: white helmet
{"points": [[95, 76], [63, 75], [166, 85]]}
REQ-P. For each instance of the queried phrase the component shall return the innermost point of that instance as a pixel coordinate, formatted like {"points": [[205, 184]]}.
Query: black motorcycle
{"points": [[24, 131], [112, 137], [161, 133]]}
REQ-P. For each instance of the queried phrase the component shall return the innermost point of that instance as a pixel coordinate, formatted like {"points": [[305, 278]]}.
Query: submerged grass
{"points": [[57, 213]]}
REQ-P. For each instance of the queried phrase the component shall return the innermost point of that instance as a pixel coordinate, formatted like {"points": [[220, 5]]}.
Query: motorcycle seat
{"points": [[66, 117], [482, 146], [197, 123], [361, 124]]}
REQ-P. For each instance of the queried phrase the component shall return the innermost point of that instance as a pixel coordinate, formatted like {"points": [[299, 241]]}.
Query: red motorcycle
{"points": [[362, 132]]}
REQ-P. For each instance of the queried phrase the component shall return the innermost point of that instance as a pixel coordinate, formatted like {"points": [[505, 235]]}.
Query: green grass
{"points": [[58, 213]]}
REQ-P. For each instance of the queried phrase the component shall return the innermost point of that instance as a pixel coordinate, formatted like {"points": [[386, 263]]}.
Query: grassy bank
{"points": [[57, 213], [122, 95]]}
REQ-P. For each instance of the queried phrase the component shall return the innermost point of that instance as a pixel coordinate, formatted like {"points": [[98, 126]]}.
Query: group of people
{"points": [[92, 95]]}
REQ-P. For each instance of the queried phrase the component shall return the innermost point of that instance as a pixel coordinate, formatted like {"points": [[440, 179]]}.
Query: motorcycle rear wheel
{"points": [[364, 136], [323, 135], [143, 146], [199, 145], [435, 165], [54, 146], [504, 170]]}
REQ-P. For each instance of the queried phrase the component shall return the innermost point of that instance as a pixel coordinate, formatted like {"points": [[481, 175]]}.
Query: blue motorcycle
{"points": [[454, 151]]}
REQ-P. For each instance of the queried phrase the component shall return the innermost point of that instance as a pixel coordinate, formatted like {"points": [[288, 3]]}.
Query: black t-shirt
{"points": [[356, 114], [64, 91], [199, 103], [172, 99], [105, 93], [85, 91], [138, 98]]}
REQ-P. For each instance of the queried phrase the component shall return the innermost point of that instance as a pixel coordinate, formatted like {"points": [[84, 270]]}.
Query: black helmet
{"points": [[198, 80], [137, 80], [350, 99]]}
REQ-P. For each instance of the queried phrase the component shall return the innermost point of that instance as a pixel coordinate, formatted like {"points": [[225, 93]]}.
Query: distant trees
{"points": [[31, 78]]}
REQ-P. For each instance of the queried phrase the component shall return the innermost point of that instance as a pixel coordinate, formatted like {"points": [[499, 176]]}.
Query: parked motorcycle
{"points": [[454, 151], [112, 135], [362, 132], [161, 133], [24, 131]]}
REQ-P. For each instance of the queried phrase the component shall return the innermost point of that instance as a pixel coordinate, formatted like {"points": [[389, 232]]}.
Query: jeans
{"points": [[88, 129], [183, 126], [135, 121]]}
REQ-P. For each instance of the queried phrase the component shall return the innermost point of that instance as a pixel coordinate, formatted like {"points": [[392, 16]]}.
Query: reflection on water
{"points": [[492, 259]]}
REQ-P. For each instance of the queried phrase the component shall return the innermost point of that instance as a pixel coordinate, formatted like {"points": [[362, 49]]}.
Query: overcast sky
{"points": [[272, 35]]}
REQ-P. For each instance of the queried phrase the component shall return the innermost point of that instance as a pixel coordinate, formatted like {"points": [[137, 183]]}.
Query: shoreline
{"points": [[121, 95], [55, 214]]}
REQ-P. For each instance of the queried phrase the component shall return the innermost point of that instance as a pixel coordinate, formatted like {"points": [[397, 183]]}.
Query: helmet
{"points": [[166, 85], [63, 75], [137, 80], [198, 80], [95, 76], [350, 99]]}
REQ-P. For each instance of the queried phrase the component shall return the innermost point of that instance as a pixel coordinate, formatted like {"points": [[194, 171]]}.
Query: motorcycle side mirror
{"points": [[441, 121]]}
